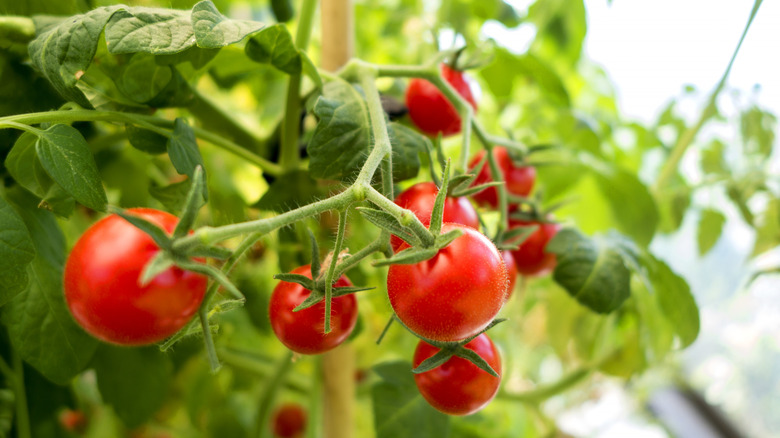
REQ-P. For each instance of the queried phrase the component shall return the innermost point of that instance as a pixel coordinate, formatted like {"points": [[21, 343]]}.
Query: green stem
{"points": [[542, 393], [352, 260], [260, 366], [216, 119], [382, 146], [406, 217], [269, 394], [22, 413], [211, 351], [687, 138], [152, 123], [330, 277], [466, 113]]}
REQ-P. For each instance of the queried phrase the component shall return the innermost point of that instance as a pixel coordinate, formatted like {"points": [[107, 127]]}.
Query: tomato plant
{"points": [[454, 294], [458, 387], [430, 110], [419, 199], [124, 127], [289, 421], [303, 331], [103, 290]]}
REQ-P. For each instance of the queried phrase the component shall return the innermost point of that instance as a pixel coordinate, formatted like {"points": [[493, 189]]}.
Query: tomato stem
{"points": [[211, 351], [330, 276]]}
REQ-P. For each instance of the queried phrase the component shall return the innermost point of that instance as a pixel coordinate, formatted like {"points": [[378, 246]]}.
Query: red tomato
{"points": [[453, 295], [303, 331], [73, 420], [458, 387], [102, 290], [530, 257], [420, 198], [289, 421], [519, 180], [511, 271], [430, 111]]}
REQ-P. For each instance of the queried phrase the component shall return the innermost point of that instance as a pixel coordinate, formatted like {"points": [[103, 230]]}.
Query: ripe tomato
{"points": [[303, 331], [73, 420], [511, 271], [430, 111], [420, 198], [519, 180], [453, 295], [530, 257], [458, 387], [102, 290], [289, 421]]}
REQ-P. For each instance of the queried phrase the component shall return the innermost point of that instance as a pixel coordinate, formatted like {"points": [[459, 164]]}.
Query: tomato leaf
{"points": [[66, 157], [135, 381], [677, 302], [16, 250], [196, 198], [400, 410], [768, 228], [291, 190], [183, 149], [146, 140], [274, 45], [150, 30], [213, 30], [591, 271], [38, 322], [340, 142], [407, 146], [173, 196], [710, 227]]}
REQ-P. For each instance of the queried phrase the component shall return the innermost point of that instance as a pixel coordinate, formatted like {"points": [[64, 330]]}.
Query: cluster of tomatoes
{"points": [[449, 298]]}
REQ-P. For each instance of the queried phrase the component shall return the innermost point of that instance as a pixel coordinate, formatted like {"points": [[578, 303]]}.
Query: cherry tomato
{"points": [[420, 198], [102, 290], [430, 111], [303, 331], [511, 271], [519, 180], [453, 295], [289, 421], [458, 387], [530, 257], [73, 420]]}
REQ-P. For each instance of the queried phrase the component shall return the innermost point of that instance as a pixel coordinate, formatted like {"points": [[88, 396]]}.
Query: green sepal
{"points": [[387, 221], [315, 256], [214, 252], [154, 267], [212, 272], [226, 306], [445, 239], [303, 280], [436, 360], [346, 290], [511, 239], [476, 189], [409, 256], [476, 359], [437, 214], [157, 234], [196, 198]]}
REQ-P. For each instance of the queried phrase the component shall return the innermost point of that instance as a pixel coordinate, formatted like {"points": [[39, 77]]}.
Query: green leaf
{"points": [[173, 196], [143, 79], [291, 190], [710, 227], [274, 45], [64, 52], [146, 140], [65, 156], [590, 270], [407, 145], [183, 149], [38, 322], [16, 251], [149, 30], [341, 140], [196, 198], [758, 131], [768, 228], [196, 56], [673, 203], [25, 167], [712, 158], [134, 381], [677, 302], [400, 410], [213, 30]]}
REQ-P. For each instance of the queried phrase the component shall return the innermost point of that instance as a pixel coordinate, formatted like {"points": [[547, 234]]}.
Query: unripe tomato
{"points": [[519, 180], [289, 421], [453, 295], [102, 290], [458, 387], [430, 111], [530, 257], [303, 331], [420, 199]]}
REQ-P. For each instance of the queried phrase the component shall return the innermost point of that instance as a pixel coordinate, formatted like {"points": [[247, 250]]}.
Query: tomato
{"points": [[420, 199], [511, 271], [430, 111], [530, 257], [289, 421], [303, 331], [519, 180], [102, 290], [453, 295], [458, 387], [73, 420]]}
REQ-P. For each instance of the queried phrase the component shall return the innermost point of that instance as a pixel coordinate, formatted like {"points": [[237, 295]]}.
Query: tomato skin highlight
{"points": [[453, 295], [420, 198], [289, 421], [530, 257], [430, 111], [511, 271], [519, 180], [458, 387], [101, 283], [302, 331]]}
